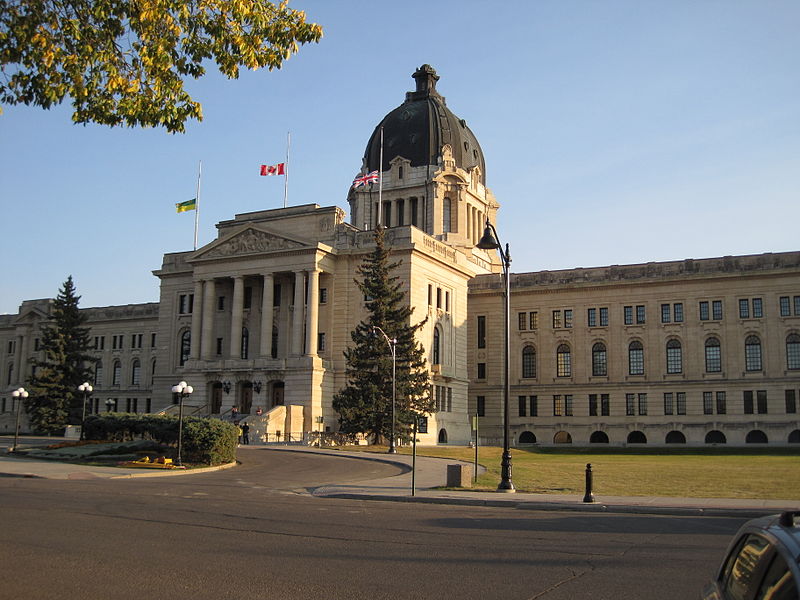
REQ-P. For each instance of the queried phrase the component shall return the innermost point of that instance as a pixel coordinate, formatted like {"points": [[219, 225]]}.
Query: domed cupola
{"points": [[418, 129]]}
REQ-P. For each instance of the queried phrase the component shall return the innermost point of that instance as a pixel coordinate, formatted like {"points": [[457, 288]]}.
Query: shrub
{"points": [[205, 441]]}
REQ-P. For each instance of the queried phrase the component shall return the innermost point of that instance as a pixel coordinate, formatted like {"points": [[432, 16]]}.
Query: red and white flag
{"points": [[279, 169], [365, 179]]}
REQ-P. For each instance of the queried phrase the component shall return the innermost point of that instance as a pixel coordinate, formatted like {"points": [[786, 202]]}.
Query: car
{"points": [[762, 562]]}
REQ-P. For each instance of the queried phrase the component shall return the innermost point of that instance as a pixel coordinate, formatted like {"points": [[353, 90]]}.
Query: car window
{"points": [[778, 583], [739, 579]]}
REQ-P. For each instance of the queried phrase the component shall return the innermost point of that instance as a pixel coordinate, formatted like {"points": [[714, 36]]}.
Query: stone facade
{"points": [[258, 319]]}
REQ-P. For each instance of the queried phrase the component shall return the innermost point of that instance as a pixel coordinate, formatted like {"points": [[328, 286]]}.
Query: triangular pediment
{"points": [[247, 242], [33, 314]]}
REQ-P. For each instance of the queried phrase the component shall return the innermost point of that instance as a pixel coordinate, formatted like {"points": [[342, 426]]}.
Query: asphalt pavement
{"points": [[430, 473]]}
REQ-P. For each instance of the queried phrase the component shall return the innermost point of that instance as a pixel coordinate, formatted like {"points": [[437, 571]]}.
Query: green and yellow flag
{"points": [[186, 206]]}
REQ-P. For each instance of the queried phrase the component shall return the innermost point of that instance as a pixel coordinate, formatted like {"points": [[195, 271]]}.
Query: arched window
{"points": [[752, 353], [186, 345], [674, 357], [529, 361], [716, 437], [756, 437], [563, 361], [446, 216], [152, 371], [598, 437], [245, 342], [794, 437], [116, 374], [527, 437], [443, 436], [637, 437], [636, 358], [713, 356], [675, 437], [562, 437], [437, 359], [793, 351], [98, 373], [136, 372], [599, 360]]}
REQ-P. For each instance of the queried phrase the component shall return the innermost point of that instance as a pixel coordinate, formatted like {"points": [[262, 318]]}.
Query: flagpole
{"points": [[197, 202], [286, 170], [380, 181]]}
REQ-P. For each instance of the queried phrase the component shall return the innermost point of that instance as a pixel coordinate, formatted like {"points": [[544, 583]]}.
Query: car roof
{"points": [[784, 528]]}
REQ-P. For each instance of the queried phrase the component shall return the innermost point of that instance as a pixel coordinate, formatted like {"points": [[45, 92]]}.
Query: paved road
{"points": [[255, 532]]}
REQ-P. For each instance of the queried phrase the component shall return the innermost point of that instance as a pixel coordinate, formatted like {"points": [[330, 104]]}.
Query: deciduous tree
{"points": [[124, 62]]}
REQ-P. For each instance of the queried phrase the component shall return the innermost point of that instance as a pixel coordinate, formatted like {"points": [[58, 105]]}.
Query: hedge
{"points": [[205, 441]]}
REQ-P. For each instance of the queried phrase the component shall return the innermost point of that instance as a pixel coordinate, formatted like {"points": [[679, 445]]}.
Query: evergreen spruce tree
{"points": [[365, 404], [54, 399]]}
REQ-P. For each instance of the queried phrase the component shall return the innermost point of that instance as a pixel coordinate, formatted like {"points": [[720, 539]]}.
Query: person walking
{"points": [[246, 434]]}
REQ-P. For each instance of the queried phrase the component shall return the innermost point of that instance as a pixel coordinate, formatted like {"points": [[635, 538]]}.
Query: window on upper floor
{"points": [[529, 362], [563, 361], [136, 372], [481, 331], [674, 357], [627, 315], [713, 355], [436, 352], [185, 347], [752, 353], [635, 358], [599, 360], [793, 351]]}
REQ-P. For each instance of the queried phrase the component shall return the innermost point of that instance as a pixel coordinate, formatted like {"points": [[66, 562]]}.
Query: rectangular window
{"points": [[219, 346], [534, 406], [152, 340], [11, 347], [557, 406], [430, 295], [35, 344], [591, 317], [481, 370], [744, 309], [603, 316], [276, 297], [320, 342], [534, 320], [677, 312], [248, 297], [568, 405], [642, 404], [748, 402], [630, 400], [523, 406], [447, 302], [449, 399], [640, 314], [556, 319], [666, 313], [628, 315], [568, 318], [668, 403], [481, 406], [791, 402], [523, 321], [761, 401], [680, 401], [592, 405], [708, 403], [704, 310], [605, 405], [721, 403], [785, 307], [221, 303], [716, 310], [758, 308], [481, 331], [183, 304], [323, 295], [796, 300], [439, 297]]}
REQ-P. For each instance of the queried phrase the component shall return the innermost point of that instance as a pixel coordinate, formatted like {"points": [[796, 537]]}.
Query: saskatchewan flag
{"points": [[186, 206]]}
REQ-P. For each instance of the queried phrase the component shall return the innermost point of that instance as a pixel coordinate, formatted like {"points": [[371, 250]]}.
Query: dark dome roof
{"points": [[418, 128]]}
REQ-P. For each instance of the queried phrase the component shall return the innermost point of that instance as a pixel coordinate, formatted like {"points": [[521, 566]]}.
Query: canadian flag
{"points": [[278, 169]]}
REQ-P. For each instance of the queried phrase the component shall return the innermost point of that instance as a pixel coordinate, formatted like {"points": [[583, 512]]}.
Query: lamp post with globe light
{"points": [[86, 389], [19, 396], [183, 390], [491, 241]]}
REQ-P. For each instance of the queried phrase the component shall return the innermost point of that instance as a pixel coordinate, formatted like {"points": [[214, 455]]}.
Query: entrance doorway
{"points": [[246, 394], [277, 393], [216, 398]]}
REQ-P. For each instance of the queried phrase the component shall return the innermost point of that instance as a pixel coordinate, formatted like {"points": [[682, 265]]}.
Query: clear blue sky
{"points": [[614, 132]]}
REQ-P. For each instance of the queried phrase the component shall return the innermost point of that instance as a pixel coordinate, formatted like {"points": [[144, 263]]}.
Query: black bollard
{"points": [[589, 496]]}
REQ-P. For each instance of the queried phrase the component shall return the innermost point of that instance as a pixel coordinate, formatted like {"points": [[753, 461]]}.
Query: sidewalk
{"points": [[430, 473]]}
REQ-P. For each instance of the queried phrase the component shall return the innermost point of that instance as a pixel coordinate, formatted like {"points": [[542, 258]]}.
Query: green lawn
{"points": [[699, 473]]}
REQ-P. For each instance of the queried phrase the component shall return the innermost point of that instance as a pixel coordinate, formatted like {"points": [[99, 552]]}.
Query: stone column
{"points": [[312, 317], [237, 309], [297, 315], [207, 327], [267, 300], [19, 359], [197, 305]]}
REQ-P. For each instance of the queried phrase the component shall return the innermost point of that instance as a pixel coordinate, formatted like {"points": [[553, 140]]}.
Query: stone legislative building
{"points": [[700, 351]]}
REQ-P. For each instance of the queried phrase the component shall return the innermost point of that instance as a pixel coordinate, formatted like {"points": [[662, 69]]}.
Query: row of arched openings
{"points": [[756, 436]]}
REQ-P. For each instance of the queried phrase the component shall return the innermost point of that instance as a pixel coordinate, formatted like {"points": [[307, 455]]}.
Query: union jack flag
{"points": [[365, 179]]}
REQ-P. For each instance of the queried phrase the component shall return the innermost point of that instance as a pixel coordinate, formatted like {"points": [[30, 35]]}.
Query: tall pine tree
{"points": [[54, 399], [365, 403]]}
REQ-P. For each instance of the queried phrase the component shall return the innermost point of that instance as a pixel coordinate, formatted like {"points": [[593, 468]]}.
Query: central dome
{"points": [[419, 128]]}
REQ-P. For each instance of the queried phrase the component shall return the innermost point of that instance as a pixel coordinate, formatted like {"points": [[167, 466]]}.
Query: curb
{"points": [[167, 473], [677, 511]]}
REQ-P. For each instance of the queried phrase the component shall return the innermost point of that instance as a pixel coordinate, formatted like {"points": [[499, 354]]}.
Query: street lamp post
{"points": [[86, 389], [183, 390], [392, 343], [19, 395], [491, 241], [109, 404]]}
